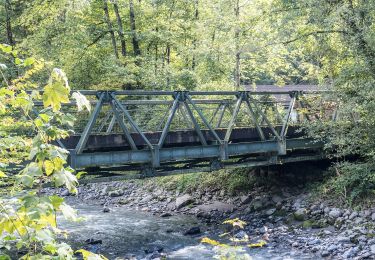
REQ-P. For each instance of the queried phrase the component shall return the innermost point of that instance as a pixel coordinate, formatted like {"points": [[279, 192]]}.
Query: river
{"points": [[124, 232]]}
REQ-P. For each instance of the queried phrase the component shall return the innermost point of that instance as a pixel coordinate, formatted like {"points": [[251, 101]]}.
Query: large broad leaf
{"points": [[55, 94], [82, 101], [57, 90]]}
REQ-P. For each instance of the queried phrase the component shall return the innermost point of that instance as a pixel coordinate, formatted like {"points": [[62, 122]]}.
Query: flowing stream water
{"points": [[125, 232]]}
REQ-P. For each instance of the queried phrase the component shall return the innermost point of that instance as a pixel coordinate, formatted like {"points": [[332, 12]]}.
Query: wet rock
{"points": [[241, 235], [116, 193], [325, 254], [106, 210], [183, 201], [64, 193], [300, 214], [92, 241], [192, 231], [165, 215], [270, 212], [373, 216]]}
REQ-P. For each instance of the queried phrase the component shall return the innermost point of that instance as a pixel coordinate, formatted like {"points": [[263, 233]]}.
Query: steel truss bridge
{"points": [[184, 131]]}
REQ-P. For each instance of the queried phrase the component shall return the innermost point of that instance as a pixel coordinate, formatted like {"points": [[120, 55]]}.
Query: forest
{"points": [[67, 45]]}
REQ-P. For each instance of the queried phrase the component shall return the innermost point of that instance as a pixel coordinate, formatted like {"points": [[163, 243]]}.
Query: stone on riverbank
{"points": [[183, 201]]}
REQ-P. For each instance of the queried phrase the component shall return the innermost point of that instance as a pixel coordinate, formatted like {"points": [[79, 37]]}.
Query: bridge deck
{"points": [[177, 138]]}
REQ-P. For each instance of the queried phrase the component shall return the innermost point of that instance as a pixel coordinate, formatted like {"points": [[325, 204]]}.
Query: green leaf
{"points": [[17, 61], [3, 66], [29, 61], [6, 48], [3, 175], [80, 174], [49, 167], [56, 201], [55, 94]]}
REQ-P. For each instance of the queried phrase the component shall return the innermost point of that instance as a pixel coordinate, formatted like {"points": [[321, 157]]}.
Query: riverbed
{"points": [[125, 233]]}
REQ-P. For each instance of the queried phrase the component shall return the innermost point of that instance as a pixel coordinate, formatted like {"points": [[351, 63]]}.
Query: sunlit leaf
{"points": [[81, 101]]}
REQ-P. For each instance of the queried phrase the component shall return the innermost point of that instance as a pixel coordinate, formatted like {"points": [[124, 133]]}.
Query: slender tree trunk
{"points": [[120, 29], [237, 69], [137, 50], [8, 9], [196, 17], [110, 27], [168, 54]]}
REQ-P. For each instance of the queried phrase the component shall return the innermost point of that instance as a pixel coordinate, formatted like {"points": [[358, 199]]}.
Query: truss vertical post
{"points": [[215, 113], [221, 115], [195, 123], [172, 112], [86, 132], [163, 118], [288, 114], [252, 115], [111, 124], [233, 119], [107, 116], [123, 126]]}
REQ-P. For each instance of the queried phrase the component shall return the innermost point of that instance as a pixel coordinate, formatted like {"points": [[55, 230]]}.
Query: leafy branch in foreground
{"points": [[235, 249], [28, 227]]}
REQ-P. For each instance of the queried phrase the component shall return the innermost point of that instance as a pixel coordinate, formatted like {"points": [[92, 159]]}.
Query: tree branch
{"points": [[313, 33]]}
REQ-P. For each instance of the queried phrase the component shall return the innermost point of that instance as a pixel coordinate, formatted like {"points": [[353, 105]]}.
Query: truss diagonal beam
{"points": [[172, 112], [123, 126], [86, 132]]}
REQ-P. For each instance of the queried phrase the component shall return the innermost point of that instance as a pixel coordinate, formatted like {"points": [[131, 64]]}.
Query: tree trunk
{"points": [[8, 9], [120, 29], [110, 27], [136, 48], [237, 69], [168, 53], [196, 17]]}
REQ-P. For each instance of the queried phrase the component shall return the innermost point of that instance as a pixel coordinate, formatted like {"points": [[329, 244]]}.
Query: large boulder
{"points": [[183, 201], [300, 214]]}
